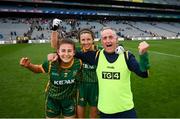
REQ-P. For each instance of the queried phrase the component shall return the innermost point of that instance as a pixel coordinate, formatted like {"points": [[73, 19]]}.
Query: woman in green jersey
{"points": [[62, 89], [88, 86]]}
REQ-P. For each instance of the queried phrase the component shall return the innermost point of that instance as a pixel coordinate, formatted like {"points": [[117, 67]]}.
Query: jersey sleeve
{"points": [[87, 57], [139, 68], [46, 66], [144, 62]]}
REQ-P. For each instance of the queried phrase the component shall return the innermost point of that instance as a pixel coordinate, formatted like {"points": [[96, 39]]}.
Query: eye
{"points": [[82, 40], [104, 38], [110, 37], [89, 39], [70, 50], [63, 50]]}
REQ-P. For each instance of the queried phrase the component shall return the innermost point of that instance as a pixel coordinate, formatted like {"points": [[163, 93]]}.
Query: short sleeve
{"points": [[46, 65]]}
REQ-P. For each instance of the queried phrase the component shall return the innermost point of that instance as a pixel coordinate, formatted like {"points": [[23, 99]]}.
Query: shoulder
{"points": [[128, 55], [78, 48], [98, 47], [78, 62]]}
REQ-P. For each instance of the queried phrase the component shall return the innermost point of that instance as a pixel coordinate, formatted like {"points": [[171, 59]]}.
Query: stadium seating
{"points": [[10, 28], [40, 29]]}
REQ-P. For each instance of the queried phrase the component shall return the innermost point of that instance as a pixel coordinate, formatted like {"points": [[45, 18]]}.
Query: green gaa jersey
{"points": [[62, 80], [88, 71]]}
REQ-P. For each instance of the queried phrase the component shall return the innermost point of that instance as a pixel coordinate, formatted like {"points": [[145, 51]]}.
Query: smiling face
{"points": [[109, 40], [66, 52], [86, 41]]}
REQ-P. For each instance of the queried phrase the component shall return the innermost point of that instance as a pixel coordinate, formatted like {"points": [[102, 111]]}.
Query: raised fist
{"points": [[143, 47], [25, 62], [56, 24]]}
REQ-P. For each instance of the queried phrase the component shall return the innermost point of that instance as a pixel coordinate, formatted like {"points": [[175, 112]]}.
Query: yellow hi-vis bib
{"points": [[114, 85]]}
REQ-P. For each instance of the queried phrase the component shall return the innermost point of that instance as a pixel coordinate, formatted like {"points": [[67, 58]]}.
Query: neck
{"points": [[90, 49], [109, 52], [67, 64]]}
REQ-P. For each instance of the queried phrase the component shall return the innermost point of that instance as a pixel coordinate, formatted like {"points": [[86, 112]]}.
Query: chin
{"points": [[109, 51], [67, 61], [87, 48]]}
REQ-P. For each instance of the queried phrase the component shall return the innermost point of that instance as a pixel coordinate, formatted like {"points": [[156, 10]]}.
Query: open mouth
{"points": [[109, 45]]}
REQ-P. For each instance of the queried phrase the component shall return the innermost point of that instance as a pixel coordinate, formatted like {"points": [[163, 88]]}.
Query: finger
{"points": [[25, 60], [55, 58], [22, 62]]}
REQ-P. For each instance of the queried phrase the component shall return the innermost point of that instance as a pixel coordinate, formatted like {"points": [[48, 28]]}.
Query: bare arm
{"points": [[54, 39], [55, 36], [25, 62]]}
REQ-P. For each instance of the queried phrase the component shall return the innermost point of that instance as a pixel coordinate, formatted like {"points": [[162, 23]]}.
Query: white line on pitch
{"points": [[171, 55], [160, 53]]}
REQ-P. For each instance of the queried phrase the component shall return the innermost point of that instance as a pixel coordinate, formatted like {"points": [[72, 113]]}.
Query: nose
{"points": [[86, 42], [66, 53], [108, 39]]}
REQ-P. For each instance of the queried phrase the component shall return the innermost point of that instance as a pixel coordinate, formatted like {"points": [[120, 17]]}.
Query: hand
{"points": [[25, 62], [52, 57], [56, 24], [143, 47], [119, 50]]}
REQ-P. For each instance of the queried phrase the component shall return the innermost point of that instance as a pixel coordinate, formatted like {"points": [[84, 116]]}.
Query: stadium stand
{"points": [[133, 19]]}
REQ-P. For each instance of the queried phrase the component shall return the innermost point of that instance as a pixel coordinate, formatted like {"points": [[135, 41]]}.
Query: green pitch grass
{"points": [[22, 92]]}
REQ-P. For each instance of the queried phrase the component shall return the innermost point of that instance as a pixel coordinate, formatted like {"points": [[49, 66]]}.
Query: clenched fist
{"points": [[56, 24], [143, 47], [25, 62]]}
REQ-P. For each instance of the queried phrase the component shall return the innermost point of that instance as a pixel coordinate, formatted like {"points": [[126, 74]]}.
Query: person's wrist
{"points": [[54, 28]]}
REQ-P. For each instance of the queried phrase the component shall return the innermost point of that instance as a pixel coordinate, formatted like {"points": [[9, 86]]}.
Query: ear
{"points": [[101, 41], [117, 41]]}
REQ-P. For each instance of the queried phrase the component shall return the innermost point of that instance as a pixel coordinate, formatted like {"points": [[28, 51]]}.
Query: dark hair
{"points": [[85, 30], [66, 41]]}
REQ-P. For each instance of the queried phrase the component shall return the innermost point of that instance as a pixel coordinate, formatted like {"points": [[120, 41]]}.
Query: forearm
{"points": [[54, 39], [144, 65], [144, 62], [35, 68], [88, 57], [137, 68]]}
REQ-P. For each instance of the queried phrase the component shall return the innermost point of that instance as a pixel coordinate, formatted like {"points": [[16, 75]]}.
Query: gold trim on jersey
{"points": [[127, 55], [81, 63], [63, 65], [91, 49], [97, 54], [47, 86], [49, 68]]}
